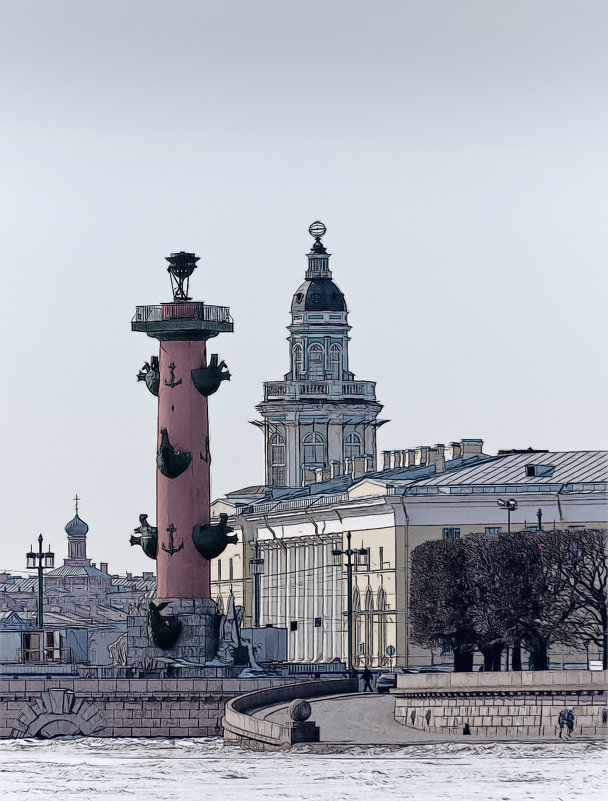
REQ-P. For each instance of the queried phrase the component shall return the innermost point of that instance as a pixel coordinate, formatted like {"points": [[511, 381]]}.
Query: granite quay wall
{"points": [[242, 728], [513, 704], [182, 707]]}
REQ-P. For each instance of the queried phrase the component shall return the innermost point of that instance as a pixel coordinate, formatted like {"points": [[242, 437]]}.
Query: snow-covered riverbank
{"points": [[195, 770]]}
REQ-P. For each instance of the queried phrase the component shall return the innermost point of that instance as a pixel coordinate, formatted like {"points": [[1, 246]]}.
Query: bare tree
{"points": [[440, 600]]}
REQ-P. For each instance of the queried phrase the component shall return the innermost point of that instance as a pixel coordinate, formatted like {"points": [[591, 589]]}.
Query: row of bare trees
{"points": [[524, 589]]}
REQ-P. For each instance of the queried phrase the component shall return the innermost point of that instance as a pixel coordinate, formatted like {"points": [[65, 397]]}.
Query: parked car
{"points": [[386, 682]]}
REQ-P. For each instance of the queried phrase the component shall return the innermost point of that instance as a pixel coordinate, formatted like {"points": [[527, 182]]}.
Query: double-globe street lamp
{"points": [[40, 561], [510, 506], [349, 552]]}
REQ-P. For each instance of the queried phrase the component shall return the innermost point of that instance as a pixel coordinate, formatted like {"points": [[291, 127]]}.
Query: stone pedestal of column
{"points": [[198, 639]]}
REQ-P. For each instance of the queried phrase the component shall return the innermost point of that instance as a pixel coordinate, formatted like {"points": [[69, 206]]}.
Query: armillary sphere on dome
{"points": [[317, 229]]}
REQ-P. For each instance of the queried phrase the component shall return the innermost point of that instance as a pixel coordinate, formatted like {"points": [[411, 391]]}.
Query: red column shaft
{"points": [[182, 502]]}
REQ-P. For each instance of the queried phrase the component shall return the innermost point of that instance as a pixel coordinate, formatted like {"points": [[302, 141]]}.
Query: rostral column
{"points": [[182, 542]]}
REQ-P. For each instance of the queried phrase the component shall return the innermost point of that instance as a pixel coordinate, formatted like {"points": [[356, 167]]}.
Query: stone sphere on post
{"points": [[299, 710]]}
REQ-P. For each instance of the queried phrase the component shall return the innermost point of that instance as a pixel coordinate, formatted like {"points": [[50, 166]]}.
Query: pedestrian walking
{"points": [[367, 679], [561, 720], [570, 722]]}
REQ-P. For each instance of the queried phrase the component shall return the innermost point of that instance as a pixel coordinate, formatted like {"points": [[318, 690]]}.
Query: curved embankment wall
{"points": [[514, 704], [240, 727]]}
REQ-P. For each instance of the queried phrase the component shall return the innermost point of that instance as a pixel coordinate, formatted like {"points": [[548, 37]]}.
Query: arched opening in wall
{"points": [[298, 361], [314, 449], [278, 473], [358, 644], [381, 627], [220, 605], [335, 361], [315, 363], [353, 446], [369, 626]]}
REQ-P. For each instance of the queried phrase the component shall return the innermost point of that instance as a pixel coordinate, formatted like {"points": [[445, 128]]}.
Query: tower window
{"points": [[335, 360], [298, 359], [314, 449], [277, 460], [353, 445], [315, 363]]}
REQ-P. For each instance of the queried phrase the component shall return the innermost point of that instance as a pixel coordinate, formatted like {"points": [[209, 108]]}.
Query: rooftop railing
{"points": [[182, 311], [293, 390]]}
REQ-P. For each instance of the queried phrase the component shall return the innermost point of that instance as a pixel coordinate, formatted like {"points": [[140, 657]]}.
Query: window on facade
{"points": [[293, 625], [450, 533], [335, 361], [230, 569], [493, 529], [315, 363], [298, 361], [381, 558], [219, 569], [314, 449], [277, 460], [353, 445]]}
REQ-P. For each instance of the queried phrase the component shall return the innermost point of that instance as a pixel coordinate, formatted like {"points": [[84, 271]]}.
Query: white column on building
{"points": [[291, 592], [327, 595]]}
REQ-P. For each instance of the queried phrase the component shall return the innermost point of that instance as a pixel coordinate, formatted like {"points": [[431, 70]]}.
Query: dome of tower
{"points": [[318, 294], [76, 527]]}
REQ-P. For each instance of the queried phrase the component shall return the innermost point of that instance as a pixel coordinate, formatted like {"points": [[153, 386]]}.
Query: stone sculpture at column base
{"points": [[198, 637]]}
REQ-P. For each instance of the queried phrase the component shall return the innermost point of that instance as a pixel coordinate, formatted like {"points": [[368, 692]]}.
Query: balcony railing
{"points": [[48, 654], [182, 311], [292, 390]]}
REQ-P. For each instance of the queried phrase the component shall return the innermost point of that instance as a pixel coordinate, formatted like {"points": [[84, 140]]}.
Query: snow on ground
{"points": [[201, 769]]}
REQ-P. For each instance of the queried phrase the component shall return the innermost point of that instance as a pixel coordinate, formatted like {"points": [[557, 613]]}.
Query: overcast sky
{"points": [[456, 152]]}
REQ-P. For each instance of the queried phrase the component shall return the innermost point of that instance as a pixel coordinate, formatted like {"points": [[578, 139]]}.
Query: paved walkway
{"points": [[363, 718]]}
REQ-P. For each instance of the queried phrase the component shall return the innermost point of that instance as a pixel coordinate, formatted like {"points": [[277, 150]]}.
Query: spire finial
{"points": [[76, 499]]}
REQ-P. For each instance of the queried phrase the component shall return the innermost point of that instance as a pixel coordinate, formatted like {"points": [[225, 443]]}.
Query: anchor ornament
{"points": [[171, 550], [173, 382]]}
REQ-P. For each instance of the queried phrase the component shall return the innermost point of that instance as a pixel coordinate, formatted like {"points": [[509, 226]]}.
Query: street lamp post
{"points": [[510, 506], [349, 553], [40, 561]]}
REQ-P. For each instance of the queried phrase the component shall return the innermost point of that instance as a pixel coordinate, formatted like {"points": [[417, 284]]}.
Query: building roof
{"points": [[318, 294], [557, 467], [78, 570]]}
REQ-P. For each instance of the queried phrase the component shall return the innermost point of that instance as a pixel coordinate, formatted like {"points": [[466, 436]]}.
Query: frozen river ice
{"points": [[201, 769]]}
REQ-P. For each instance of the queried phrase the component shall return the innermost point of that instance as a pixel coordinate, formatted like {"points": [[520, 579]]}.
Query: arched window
{"points": [[220, 605], [353, 445], [298, 361], [381, 628], [314, 449], [369, 624], [315, 363], [335, 361], [277, 460]]}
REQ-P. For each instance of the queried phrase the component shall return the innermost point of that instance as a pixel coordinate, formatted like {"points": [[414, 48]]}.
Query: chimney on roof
{"points": [[103, 566], [358, 466], [147, 574], [422, 455], [386, 460], [438, 456], [471, 447], [129, 576], [335, 468], [410, 458], [321, 474], [394, 459], [369, 463], [455, 450]]}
